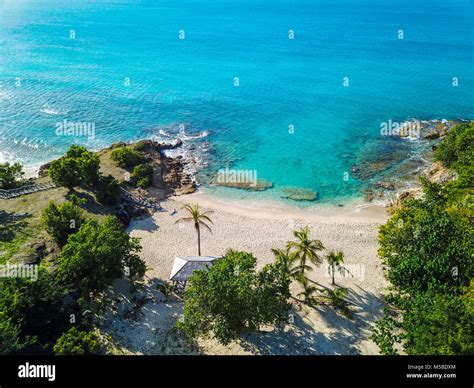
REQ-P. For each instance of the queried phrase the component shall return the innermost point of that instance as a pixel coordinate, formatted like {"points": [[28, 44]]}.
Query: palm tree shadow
{"points": [[299, 338], [343, 337]]}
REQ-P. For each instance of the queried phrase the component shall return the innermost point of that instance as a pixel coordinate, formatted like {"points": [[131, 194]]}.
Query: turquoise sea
{"points": [[124, 67]]}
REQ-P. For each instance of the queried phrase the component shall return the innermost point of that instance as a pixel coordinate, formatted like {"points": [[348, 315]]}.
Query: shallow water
{"points": [[121, 66]]}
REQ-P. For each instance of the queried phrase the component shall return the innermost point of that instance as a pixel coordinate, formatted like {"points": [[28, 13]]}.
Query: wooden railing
{"points": [[27, 189], [129, 197]]}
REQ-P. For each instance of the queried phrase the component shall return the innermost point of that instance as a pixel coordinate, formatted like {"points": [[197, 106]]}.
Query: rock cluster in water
{"points": [[299, 194], [391, 168]]}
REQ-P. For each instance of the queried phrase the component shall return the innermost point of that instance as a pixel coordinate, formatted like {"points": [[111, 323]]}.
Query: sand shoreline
{"points": [[354, 209], [257, 228]]}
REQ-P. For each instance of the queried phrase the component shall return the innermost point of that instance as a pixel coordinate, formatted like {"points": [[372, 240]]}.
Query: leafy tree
{"points": [[10, 342], [425, 247], [108, 190], [457, 150], [65, 172], [231, 298], [439, 324], [76, 342], [142, 174], [33, 310], [428, 252], [62, 220], [335, 259], [272, 292], [11, 175], [77, 167], [89, 164], [198, 218], [96, 255], [126, 156], [305, 249]]}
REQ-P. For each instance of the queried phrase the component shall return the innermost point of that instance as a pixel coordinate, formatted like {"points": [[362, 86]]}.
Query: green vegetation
{"points": [[77, 167], [58, 311], [428, 249], [11, 176], [335, 259], [62, 220], [96, 255], [232, 298], [108, 190], [199, 219], [80, 168], [126, 157], [142, 175], [77, 343], [305, 250], [457, 153], [35, 314], [34, 310]]}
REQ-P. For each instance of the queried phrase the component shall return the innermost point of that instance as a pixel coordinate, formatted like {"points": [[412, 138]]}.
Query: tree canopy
{"points": [[232, 298], [428, 248], [11, 175], [77, 167], [97, 254]]}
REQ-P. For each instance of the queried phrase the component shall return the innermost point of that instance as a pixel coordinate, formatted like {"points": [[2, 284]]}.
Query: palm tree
{"points": [[287, 261], [308, 291], [199, 219], [335, 259], [305, 249]]}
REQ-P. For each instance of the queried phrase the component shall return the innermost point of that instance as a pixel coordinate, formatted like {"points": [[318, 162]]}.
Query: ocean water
{"points": [[256, 99]]}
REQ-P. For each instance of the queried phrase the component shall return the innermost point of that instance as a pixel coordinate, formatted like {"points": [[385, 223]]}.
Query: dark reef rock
{"points": [[299, 194], [385, 185], [236, 183]]}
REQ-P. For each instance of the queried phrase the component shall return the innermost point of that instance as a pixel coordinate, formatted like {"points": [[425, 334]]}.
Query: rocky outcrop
{"points": [[169, 175], [258, 185], [414, 193], [441, 175], [299, 194], [43, 170], [385, 185]]}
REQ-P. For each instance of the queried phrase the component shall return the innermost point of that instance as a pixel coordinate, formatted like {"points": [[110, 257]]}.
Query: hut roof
{"points": [[184, 266]]}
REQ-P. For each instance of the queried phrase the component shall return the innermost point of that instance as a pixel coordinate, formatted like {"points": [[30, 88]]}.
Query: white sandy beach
{"points": [[257, 229]]}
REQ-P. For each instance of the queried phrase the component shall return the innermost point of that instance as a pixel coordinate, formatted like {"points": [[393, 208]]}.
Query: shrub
{"points": [[108, 190], [142, 175], [428, 251], [62, 220], [126, 157], [457, 150], [76, 342]]}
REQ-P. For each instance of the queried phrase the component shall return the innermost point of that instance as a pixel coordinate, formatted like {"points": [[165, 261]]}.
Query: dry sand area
{"points": [[257, 229]]}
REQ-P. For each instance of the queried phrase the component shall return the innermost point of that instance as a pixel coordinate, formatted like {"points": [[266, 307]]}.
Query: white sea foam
{"points": [[51, 111], [193, 151]]}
